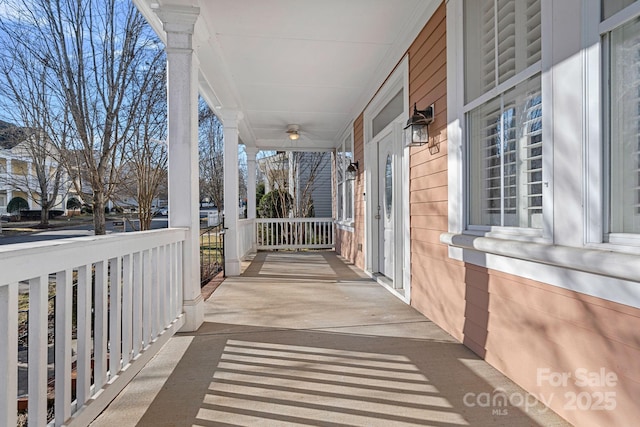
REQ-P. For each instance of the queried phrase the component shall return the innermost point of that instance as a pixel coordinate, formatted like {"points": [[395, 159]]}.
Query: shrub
{"points": [[275, 204], [73, 203], [17, 204]]}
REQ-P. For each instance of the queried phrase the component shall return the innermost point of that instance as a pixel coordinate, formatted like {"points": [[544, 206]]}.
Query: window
{"points": [[388, 113], [344, 192], [506, 159], [621, 47], [503, 96], [611, 7], [388, 187]]}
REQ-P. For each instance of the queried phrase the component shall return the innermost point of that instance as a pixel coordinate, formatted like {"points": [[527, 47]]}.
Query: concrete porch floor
{"points": [[306, 339]]}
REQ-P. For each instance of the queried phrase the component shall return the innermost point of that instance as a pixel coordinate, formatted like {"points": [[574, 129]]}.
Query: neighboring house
{"points": [[17, 175], [293, 172]]}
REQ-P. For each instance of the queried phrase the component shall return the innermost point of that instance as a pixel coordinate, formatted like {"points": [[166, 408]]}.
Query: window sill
{"points": [[346, 225], [624, 240], [590, 260], [508, 233]]}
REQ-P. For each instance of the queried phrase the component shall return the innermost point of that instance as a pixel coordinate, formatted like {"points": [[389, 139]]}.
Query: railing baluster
{"points": [[179, 289], [8, 353], [166, 285], [38, 346], [333, 234], [155, 279], [146, 298], [138, 338], [162, 287], [127, 308], [115, 315], [83, 374], [164, 271], [64, 304], [100, 327], [325, 234], [173, 279]]}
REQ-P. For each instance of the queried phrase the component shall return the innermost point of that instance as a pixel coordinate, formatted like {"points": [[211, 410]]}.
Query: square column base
{"points": [[232, 267], [193, 314]]}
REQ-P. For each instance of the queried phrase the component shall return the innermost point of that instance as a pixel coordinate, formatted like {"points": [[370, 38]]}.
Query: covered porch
{"points": [[305, 338]]}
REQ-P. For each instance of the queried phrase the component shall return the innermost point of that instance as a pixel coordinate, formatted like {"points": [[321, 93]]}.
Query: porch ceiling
{"points": [[306, 62]]}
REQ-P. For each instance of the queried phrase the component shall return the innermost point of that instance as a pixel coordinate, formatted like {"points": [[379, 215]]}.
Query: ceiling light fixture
{"points": [[293, 131]]}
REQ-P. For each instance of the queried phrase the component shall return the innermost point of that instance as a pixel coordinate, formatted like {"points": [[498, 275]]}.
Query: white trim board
{"points": [[612, 278]]}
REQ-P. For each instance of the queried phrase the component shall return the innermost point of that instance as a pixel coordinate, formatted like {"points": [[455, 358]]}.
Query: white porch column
{"points": [[230, 120], [182, 100], [251, 181]]}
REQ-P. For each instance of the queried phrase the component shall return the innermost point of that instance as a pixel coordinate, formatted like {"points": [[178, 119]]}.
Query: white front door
{"points": [[386, 201]]}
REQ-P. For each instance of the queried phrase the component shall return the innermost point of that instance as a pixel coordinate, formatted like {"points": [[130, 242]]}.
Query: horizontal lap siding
{"points": [[518, 325], [351, 244], [437, 282]]}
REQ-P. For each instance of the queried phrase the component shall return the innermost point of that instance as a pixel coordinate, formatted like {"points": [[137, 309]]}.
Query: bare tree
{"points": [[144, 173], [293, 175], [26, 100], [97, 55], [304, 168], [243, 174], [211, 147]]}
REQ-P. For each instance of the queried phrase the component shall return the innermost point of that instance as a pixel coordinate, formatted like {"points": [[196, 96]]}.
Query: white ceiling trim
{"points": [[277, 92]]}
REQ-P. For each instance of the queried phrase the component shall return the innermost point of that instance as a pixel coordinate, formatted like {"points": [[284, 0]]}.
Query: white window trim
{"points": [[594, 200], [456, 131], [596, 128], [345, 223], [590, 267]]}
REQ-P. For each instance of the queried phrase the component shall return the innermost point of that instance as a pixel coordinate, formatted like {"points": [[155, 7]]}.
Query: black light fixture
{"points": [[352, 171], [417, 128]]}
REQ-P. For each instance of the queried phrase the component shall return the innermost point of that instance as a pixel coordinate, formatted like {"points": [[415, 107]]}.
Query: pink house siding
{"points": [[518, 325], [351, 244]]}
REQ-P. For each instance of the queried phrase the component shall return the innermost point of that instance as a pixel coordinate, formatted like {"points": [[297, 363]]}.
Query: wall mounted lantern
{"points": [[417, 129], [352, 171]]}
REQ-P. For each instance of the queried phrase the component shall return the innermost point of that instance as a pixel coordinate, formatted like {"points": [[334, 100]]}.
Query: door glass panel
{"points": [[388, 187]]}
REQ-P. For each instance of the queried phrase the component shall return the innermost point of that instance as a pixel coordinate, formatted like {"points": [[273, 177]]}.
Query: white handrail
{"points": [[295, 233], [128, 304]]}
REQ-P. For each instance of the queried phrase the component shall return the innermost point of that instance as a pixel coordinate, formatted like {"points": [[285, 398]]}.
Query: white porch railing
{"points": [[295, 233], [246, 233], [127, 305]]}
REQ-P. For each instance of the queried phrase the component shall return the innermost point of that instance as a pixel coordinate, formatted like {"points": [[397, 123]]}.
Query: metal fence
{"points": [[211, 252]]}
